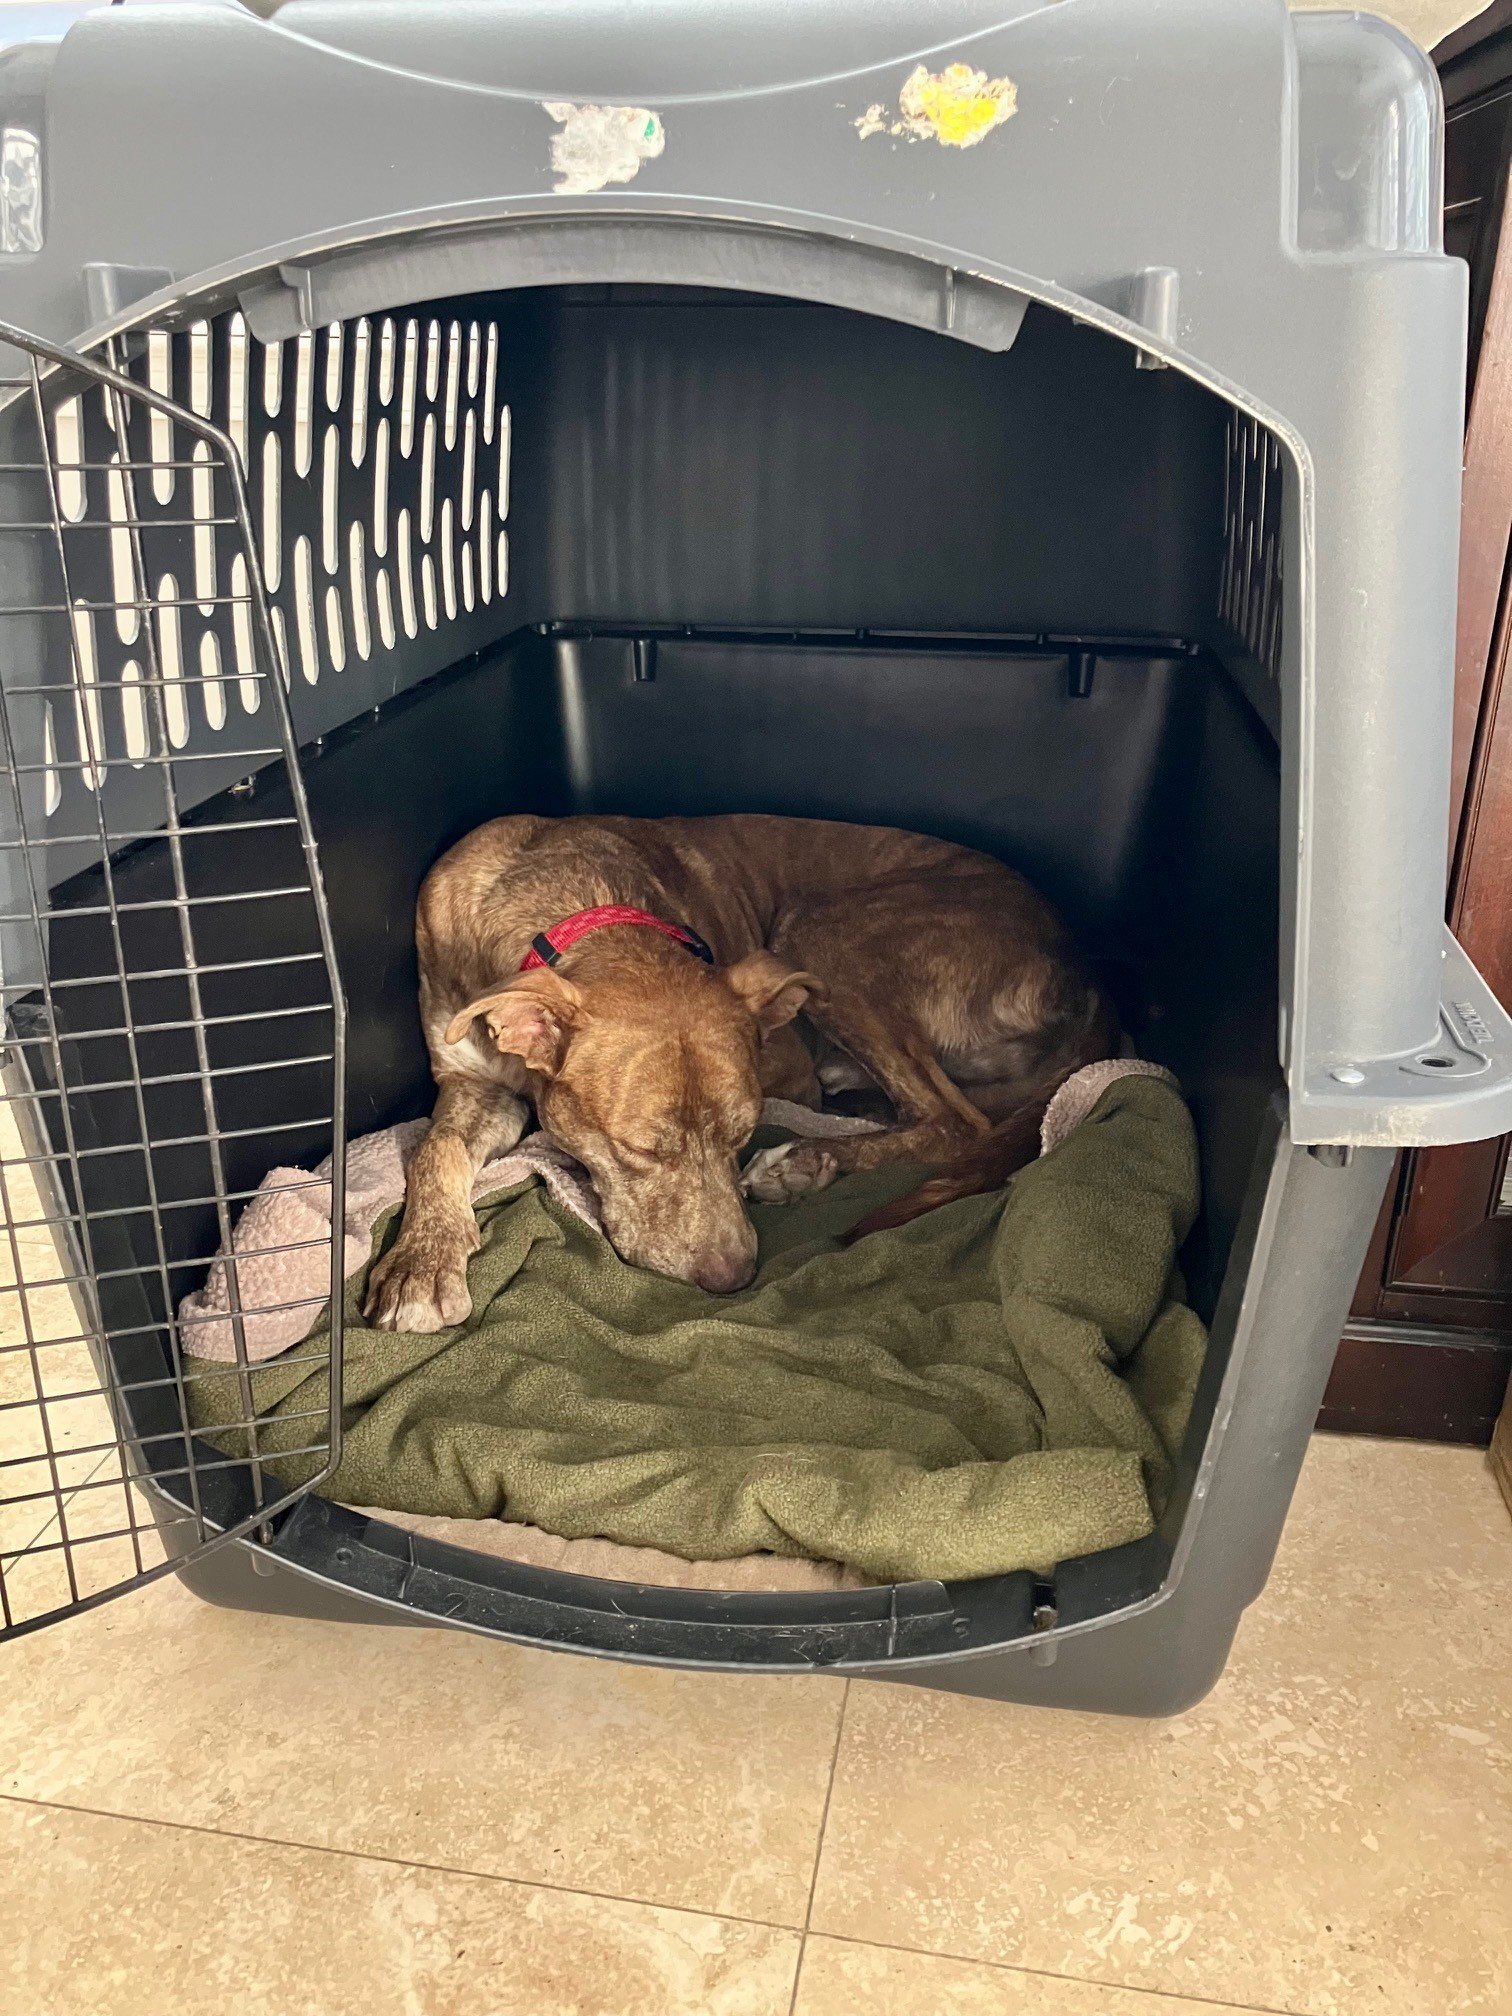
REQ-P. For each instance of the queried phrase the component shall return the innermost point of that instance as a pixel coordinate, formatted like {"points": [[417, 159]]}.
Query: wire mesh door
{"points": [[173, 1021]]}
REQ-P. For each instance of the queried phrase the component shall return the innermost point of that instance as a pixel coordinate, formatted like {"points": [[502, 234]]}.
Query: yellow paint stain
{"points": [[960, 105], [957, 106]]}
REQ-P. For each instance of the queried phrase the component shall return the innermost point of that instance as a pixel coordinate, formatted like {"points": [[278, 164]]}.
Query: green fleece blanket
{"points": [[1000, 1385]]}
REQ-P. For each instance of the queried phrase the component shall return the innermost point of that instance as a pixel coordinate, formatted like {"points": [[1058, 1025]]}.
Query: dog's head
{"points": [[648, 1072]]}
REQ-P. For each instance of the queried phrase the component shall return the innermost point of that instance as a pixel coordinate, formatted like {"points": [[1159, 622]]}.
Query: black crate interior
{"points": [[769, 556]]}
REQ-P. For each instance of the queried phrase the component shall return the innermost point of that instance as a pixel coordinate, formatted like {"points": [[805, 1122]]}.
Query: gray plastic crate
{"points": [[1057, 407]]}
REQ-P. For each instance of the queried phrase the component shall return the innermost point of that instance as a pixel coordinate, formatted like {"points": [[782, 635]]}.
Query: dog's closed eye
{"points": [[639, 1154]]}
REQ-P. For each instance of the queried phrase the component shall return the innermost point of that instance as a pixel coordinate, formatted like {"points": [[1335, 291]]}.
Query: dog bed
{"points": [[999, 1385]]}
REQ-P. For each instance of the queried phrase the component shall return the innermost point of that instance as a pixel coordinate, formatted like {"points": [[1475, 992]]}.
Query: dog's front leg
{"points": [[420, 1284]]}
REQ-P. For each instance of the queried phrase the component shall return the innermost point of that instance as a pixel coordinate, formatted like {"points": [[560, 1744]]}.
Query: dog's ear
{"points": [[773, 991], [531, 1019]]}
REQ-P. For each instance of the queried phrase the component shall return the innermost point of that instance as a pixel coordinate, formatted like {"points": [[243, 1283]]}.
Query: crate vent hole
{"points": [[134, 712], [304, 610], [281, 638], [211, 683], [238, 374], [383, 596], [241, 633], [386, 350], [128, 617], [381, 488], [52, 796], [304, 404], [407, 391], [490, 381], [362, 635], [428, 480], [453, 381], [403, 541], [91, 729], [335, 344], [361, 349], [171, 659], [68, 436], [159, 426], [203, 480], [199, 369], [330, 548], [272, 511], [469, 466], [335, 633], [448, 561], [506, 429], [272, 392]]}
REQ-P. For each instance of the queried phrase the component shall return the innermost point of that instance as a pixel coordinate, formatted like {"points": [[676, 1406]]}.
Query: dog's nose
{"points": [[723, 1273]]}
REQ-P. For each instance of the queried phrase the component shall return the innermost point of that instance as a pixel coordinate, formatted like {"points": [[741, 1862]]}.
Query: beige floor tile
{"points": [[104, 1535], [703, 1790], [52, 1440], [839, 1978], [117, 1918], [58, 1441], [53, 1416], [1330, 1832]]}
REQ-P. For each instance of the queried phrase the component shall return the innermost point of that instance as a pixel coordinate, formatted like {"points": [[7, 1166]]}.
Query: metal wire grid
{"points": [[142, 1098], [1249, 596]]}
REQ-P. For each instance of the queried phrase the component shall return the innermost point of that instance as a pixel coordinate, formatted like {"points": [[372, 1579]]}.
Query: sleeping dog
{"points": [[636, 982]]}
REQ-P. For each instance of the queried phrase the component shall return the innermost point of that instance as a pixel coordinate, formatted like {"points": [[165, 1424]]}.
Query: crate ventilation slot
{"points": [[377, 464]]}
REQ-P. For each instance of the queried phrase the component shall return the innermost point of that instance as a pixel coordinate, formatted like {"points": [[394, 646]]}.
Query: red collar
{"points": [[548, 946]]}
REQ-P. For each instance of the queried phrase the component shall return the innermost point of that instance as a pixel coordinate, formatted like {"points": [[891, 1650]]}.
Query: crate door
{"points": [[173, 1022]]}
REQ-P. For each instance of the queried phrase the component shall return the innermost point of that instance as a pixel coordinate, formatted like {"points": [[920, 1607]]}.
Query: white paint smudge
{"points": [[600, 144]]}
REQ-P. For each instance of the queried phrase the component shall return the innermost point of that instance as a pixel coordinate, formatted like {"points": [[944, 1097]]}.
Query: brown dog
{"points": [[646, 1051]]}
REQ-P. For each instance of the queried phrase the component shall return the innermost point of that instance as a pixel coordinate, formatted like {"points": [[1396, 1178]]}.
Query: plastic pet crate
{"points": [[1036, 425]]}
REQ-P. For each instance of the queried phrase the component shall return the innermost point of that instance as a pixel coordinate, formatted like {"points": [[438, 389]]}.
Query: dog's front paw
{"points": [[792, 1169], [420, 1284]]}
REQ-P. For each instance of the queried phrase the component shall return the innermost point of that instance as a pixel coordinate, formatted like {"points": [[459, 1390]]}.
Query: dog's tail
{"points": [[990, 1160]]}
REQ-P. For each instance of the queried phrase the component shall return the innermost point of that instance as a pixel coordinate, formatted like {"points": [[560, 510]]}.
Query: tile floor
{"points": [[203, 1810]]}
